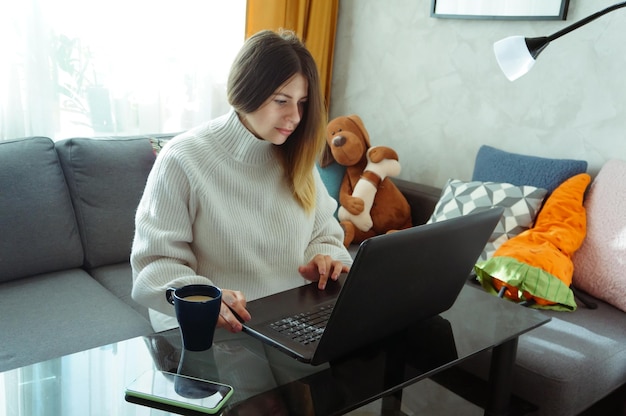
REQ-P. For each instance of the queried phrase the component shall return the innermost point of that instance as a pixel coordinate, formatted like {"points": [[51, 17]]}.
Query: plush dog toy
{"points": [[367, 186], [348, 143]]}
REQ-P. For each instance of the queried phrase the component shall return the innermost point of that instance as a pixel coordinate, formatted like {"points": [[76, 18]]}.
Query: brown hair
{"points": [[265, 62]]}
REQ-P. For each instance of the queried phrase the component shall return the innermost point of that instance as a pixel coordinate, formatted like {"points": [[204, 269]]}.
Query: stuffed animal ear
{"points": [[361, 126], [327, 157]]}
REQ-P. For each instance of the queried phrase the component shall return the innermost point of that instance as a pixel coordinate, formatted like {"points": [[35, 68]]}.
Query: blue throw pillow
{"points": [[332, 175], [499, 166]]}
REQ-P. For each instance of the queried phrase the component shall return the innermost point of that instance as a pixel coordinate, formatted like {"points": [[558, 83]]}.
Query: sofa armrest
{"points": [[422, 198]]}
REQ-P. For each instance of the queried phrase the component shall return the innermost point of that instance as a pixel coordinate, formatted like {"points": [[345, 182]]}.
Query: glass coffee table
{"points": [[266, 381]]}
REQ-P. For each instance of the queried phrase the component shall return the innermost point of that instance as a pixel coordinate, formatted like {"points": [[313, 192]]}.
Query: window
{"points": [[117, 67]]}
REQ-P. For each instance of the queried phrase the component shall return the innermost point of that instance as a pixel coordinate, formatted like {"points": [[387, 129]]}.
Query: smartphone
{"points": [[177, 392]]}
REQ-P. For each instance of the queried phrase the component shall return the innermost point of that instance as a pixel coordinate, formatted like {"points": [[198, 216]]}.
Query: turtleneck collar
{"points": [[239, 142]]}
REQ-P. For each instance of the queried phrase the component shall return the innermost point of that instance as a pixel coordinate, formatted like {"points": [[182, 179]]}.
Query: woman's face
{"points": [[280, 114]]}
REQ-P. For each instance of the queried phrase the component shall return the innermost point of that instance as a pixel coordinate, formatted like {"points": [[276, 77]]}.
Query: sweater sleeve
{"points": [[161, 256], [327, 235]]}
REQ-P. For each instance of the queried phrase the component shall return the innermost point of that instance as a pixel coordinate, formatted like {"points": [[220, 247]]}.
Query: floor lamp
{"points": [[516, 55]]}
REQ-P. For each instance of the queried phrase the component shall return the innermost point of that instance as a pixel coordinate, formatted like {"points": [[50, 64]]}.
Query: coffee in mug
{"points": [[197, 310], [197, 298]]}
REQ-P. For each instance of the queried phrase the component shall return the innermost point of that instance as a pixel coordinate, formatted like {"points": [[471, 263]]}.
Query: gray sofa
{"points": [[67, 219]]}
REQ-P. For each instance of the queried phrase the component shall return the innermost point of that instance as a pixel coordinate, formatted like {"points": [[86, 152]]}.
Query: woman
{"points": [[238, 202]]}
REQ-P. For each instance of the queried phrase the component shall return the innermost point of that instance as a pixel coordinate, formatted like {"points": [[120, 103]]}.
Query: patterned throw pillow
{"points": [[158, 143], [521, 204]]}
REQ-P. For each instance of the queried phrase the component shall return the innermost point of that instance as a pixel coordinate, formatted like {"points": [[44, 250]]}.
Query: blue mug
{"points": [[197, 310]]}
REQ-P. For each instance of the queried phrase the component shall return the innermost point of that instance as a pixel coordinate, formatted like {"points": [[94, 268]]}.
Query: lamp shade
{"points": [[516, 54], [513, 56]]}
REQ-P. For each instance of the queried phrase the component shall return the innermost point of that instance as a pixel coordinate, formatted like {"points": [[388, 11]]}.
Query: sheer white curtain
{"points": [[116, 67]]}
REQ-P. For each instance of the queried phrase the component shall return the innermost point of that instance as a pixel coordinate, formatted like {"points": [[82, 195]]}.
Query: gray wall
{"points": [[431, 88]]}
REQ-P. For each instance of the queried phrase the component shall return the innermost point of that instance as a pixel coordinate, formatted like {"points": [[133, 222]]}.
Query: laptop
{"points": [[395, 280]]}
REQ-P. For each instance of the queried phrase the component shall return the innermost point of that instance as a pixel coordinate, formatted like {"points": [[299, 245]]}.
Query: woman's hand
{"points": [[321, 268], [233, 302]]}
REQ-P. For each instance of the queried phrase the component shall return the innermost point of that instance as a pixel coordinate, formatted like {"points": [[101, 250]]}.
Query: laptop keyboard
{"points": [[305, 327]]}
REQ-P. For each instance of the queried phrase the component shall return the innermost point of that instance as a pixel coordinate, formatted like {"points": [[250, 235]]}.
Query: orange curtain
{"points": [[314, 21]]}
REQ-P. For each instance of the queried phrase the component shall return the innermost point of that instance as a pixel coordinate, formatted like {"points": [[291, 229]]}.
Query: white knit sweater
{"points": [[216, 208]]}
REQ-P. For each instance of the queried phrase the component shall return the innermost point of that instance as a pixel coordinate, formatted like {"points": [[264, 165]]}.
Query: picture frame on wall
{"points": [[500, 9]]}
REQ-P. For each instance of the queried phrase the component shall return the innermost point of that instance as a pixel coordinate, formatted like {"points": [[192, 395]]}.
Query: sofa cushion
{"points": [[106, 178], [39, 230], [499, 166], [521, 204], [600, 263], [569, 363], [118, 279], [65, 312]]}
